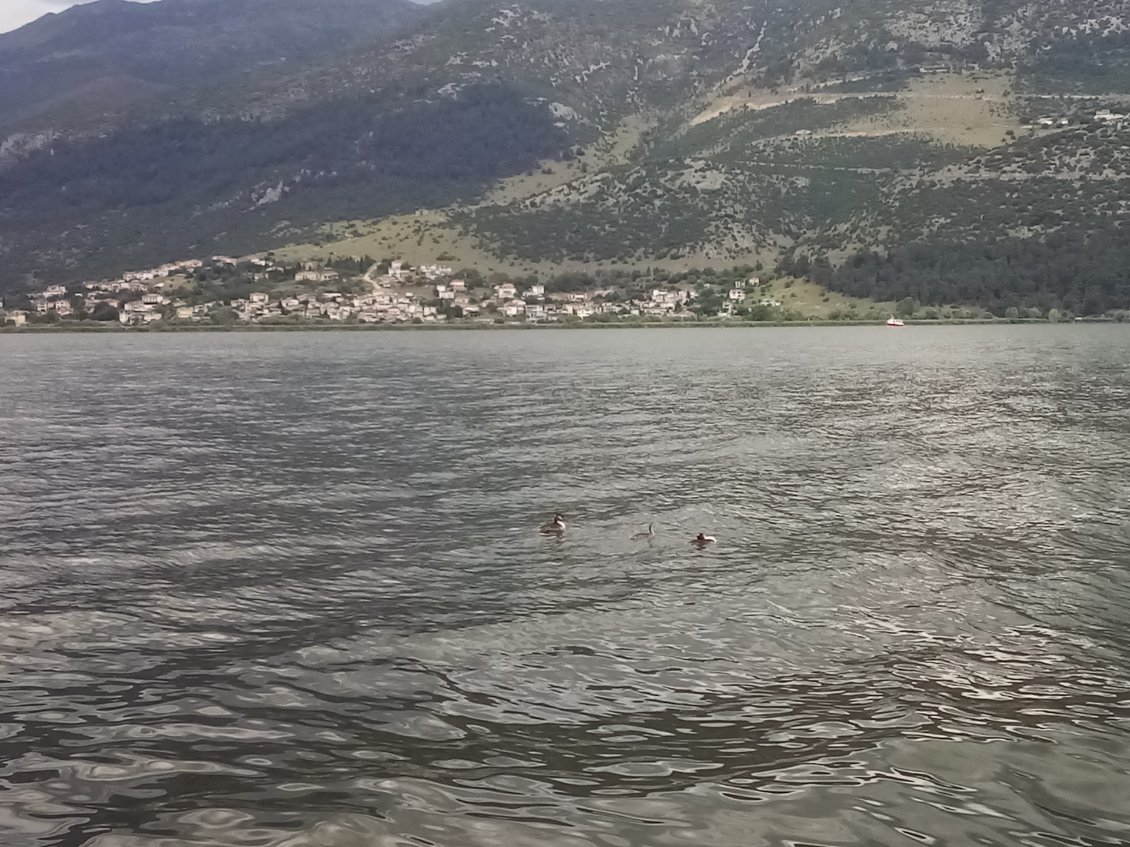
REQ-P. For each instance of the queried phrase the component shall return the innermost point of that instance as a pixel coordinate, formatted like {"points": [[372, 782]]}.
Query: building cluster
{"points": [[376, 307], [401, 294], [1106, 116], [533, 304], [136, 297], [1102, 116]]}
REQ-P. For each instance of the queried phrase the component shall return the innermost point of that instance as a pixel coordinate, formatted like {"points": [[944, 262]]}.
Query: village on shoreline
{"points": [[225, 291], [359, 292]]}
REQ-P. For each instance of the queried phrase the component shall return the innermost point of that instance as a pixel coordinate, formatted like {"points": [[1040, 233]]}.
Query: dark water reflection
{"points": [[283, 590]]}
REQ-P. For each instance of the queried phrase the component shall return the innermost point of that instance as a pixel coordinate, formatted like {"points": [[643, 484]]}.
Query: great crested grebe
{"points": [[649, 534], [555, 526], [702, 540]]}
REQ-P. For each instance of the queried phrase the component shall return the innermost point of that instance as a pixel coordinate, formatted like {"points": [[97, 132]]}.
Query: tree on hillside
{"points": [[104, 312], [708, 302]]}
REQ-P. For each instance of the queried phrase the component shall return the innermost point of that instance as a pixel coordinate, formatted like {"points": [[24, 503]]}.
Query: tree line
{"points": [[1085, 273]]}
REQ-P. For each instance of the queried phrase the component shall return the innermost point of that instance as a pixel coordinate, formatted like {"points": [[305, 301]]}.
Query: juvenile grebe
{"points": [[649, 534]]}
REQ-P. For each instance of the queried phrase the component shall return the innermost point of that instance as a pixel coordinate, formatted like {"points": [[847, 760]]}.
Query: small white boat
{"points": [[893, 321]]}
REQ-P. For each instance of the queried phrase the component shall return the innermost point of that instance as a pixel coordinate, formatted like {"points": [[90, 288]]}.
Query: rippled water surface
{"points": [[277, 590]]}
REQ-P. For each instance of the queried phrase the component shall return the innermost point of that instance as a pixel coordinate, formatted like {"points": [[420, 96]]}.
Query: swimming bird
{"points": [[649, 534], [555, 526], [702, 540]]}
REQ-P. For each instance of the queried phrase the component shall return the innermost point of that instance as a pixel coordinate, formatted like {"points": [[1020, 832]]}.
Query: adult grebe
{"points": [[702, 540], [555, 526], [649, 534]]}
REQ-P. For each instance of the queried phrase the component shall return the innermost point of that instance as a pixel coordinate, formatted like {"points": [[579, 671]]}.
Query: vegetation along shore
{"points": [[267, 292]]}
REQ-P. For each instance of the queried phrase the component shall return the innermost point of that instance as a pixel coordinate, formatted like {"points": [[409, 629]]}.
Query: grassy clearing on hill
{"points": [[429, 238], [969, 110], [417, 239], [814, 301], [973, 109]]}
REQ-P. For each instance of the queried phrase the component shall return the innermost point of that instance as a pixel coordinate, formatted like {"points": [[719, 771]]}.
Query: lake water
{"points": [[279, 590]]}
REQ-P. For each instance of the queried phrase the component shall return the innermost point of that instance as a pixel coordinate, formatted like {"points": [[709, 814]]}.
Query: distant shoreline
{"points": [[115, 329]]}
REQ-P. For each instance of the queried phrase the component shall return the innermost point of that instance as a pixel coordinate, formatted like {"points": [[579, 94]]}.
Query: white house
{"points": [[436, 271], [316, 276], [505, 291], [535, 291], [581, 311]]}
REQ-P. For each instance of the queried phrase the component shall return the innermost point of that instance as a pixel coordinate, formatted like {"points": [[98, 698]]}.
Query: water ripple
{"points": [[286, 590]]}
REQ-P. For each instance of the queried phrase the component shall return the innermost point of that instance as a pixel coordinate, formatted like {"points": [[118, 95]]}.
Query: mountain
{"points": [[949, 151], [107, 56]]}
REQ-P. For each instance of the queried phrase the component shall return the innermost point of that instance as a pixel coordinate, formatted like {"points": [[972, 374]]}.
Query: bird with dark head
{"points": [[555, 526]]}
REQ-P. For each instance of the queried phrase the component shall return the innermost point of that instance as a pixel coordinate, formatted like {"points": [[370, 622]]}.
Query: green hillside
{"points": [[970, 151]]}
